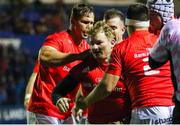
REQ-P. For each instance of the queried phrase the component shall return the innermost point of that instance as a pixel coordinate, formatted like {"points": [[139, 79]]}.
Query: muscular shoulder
{"points": [[121, 47], [61, 41], [171, 27], [172, 24], [171, 30], [58, 35]]}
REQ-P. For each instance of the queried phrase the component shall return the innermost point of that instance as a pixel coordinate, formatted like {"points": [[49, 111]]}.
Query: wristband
{"points": [[27, 96]]}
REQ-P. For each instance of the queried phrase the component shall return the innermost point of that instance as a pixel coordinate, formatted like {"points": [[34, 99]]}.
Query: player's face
{"points": [[156, 22], [100, 46], [84, 24], [118, 26]]}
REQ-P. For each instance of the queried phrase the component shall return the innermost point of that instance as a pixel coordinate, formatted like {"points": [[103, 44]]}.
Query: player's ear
{"points": [[123, 29]]}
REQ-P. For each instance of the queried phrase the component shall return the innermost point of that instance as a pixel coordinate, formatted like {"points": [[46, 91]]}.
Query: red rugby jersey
{"points": [[146, 87], [36, 67], [115, 107], [47, 78]]}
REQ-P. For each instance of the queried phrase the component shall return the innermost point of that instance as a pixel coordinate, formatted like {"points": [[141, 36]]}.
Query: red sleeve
{"points": [[114, 67], [36, 67], [54, 41], [77, 71], [82, 69]]}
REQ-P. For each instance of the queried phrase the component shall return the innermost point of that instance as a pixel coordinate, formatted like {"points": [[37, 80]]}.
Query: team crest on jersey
{"points": [[65, 68]]}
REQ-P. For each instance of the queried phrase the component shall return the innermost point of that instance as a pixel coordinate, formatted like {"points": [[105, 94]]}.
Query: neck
{"points": [[101, 61], [120, 39], [76, 37], [133, 29], [104, 60]]}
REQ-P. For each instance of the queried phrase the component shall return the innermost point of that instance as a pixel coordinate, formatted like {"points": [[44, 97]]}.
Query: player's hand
{"points": [[63, 104], [77, 113], [26, 102]]}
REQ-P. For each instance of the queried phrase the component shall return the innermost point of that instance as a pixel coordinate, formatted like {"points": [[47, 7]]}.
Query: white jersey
{"points": [[168, 47]]}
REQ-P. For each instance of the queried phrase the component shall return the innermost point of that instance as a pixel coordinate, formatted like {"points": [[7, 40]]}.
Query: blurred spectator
{"points": [[33, 18], [3, 93], [15, 69]]}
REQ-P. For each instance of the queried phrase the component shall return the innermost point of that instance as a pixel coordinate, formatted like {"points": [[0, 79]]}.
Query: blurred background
{"points": [[23, 26]]}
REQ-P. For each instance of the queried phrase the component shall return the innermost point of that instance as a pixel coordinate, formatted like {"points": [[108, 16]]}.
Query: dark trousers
{"points": [[176, 113]]}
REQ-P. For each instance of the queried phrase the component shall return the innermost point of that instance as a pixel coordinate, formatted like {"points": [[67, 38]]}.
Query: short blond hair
{"points": [[101, 26]]}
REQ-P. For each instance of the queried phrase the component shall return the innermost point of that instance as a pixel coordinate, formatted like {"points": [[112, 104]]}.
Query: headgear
{"points": [[164, 7]]}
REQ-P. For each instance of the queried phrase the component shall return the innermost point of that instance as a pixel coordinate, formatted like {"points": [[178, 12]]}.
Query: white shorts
{"points": [[35, 118], [152, 115]]}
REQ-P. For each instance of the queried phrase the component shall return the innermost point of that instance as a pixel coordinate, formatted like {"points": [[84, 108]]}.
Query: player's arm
{"points": [[29, 88], [49, 56], [78, 112], [65, 86], [79, 93], [155, 64], [159, 54], [101, 91], [30, 84]]}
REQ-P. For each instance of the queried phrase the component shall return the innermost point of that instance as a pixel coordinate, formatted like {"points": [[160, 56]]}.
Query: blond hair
{"points": [[101, 26]]}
